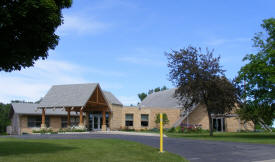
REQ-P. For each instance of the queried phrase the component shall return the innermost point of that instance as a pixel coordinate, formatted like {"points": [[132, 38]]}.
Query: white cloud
{"points": [[141, 61], [128, 100], [216, 42], [81, 25], [32, 83]]}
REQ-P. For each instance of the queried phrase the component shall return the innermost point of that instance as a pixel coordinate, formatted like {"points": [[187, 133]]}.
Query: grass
{"points": [[12, 149], [249, 137]]}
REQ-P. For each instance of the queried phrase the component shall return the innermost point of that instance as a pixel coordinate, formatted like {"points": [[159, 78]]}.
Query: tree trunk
{"points": [[210, 124]]}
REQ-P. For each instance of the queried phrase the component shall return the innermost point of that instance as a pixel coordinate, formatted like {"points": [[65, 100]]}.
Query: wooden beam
{"points": [[97, 97], [91, 102], [69, 118], [104, 127], [81, 118], [103, 117], [43, 125], [89, 109]]}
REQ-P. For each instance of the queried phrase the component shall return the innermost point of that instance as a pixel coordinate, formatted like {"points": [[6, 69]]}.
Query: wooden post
{"points": [[43, 125], [69, 118], [81, 118], [104, 120]]}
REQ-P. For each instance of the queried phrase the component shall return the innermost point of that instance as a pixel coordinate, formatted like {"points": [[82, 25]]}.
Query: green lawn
{"points": [[12, 149], [253, 137]]}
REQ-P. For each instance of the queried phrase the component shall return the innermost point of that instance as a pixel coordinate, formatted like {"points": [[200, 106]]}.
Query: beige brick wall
{"points": [[24, 125], [55, 123], [232, 124], [173, 115], [137, 117], [198, 116], [116, 117]]}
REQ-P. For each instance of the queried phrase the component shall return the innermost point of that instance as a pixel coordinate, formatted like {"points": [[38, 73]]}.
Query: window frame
{"points": [[129, 123], [142, 121], [36, 123], [64, 122]]}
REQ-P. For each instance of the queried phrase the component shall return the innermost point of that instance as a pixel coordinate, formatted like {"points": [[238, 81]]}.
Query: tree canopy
{"points": [[143, 95], [200, 80], [258, 75], [27, 30], [4, 116], [257, 78]]}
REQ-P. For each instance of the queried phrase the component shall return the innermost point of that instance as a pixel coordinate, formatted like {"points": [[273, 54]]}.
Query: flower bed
{"points": [[72, 129], [43, 131]]}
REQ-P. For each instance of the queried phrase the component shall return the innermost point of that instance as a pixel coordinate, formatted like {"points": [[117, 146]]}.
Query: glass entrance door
{"points": [[219, 124], [95, 121]]}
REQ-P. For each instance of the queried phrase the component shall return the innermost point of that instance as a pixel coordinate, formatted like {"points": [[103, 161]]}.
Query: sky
{"points": [[121, 44]]}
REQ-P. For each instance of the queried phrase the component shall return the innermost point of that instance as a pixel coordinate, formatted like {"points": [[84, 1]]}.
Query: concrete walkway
{"points": [[193, 150]]}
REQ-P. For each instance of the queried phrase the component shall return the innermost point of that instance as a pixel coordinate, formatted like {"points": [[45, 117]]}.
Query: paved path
{"points": [[193, 150]]}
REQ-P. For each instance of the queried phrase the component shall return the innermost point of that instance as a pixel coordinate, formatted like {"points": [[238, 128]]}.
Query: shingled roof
{"points": [[30, 109], [161, 99], [73, 95]]}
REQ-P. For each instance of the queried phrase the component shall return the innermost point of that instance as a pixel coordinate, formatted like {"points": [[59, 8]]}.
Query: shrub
{"points": [[154, 130], [3, 134], [172, 130], [43, 130], [127, 129], [178, 129], [187, 129], [164, 119], [72, 129]]}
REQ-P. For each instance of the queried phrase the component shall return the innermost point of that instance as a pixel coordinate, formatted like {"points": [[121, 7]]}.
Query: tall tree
{"points": [[258, 75], [262, 114], [157, 89], [201, 80], [4, 116], [163, 88], [257, 78], [150, 91], [27, 29], [142, 96]]}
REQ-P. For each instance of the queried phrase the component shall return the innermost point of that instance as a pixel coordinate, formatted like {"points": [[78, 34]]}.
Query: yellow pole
{"points": [[161, 133]]}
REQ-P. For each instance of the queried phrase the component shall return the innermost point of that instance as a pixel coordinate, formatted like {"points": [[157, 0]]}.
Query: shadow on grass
{"points": [[23, 147]]}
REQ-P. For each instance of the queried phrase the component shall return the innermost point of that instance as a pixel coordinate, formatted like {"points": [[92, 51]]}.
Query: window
{"points": [[35, 121], [144, 120], [129, 120], [74, 121], [107, 119], [64, 122]]}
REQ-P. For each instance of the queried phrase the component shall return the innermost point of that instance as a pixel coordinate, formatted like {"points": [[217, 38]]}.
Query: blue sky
{"points": [[121, 44]]}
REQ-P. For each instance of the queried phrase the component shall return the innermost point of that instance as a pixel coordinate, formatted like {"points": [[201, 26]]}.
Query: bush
{"points": [[164, 119], [187, 129], [127, 129], [72, 129], [172, 130], [3, 134], [154, 130], [43, 131], [178, 129]]}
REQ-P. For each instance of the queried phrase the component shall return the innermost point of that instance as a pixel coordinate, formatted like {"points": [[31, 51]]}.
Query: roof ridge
{"points": [[73, 84]]}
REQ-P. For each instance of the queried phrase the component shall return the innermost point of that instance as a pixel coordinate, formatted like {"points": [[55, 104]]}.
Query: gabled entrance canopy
{"points": [[76, 97]]}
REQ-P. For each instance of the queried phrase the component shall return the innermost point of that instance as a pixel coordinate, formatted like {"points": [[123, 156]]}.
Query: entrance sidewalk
{"points": [[127, 133]]}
